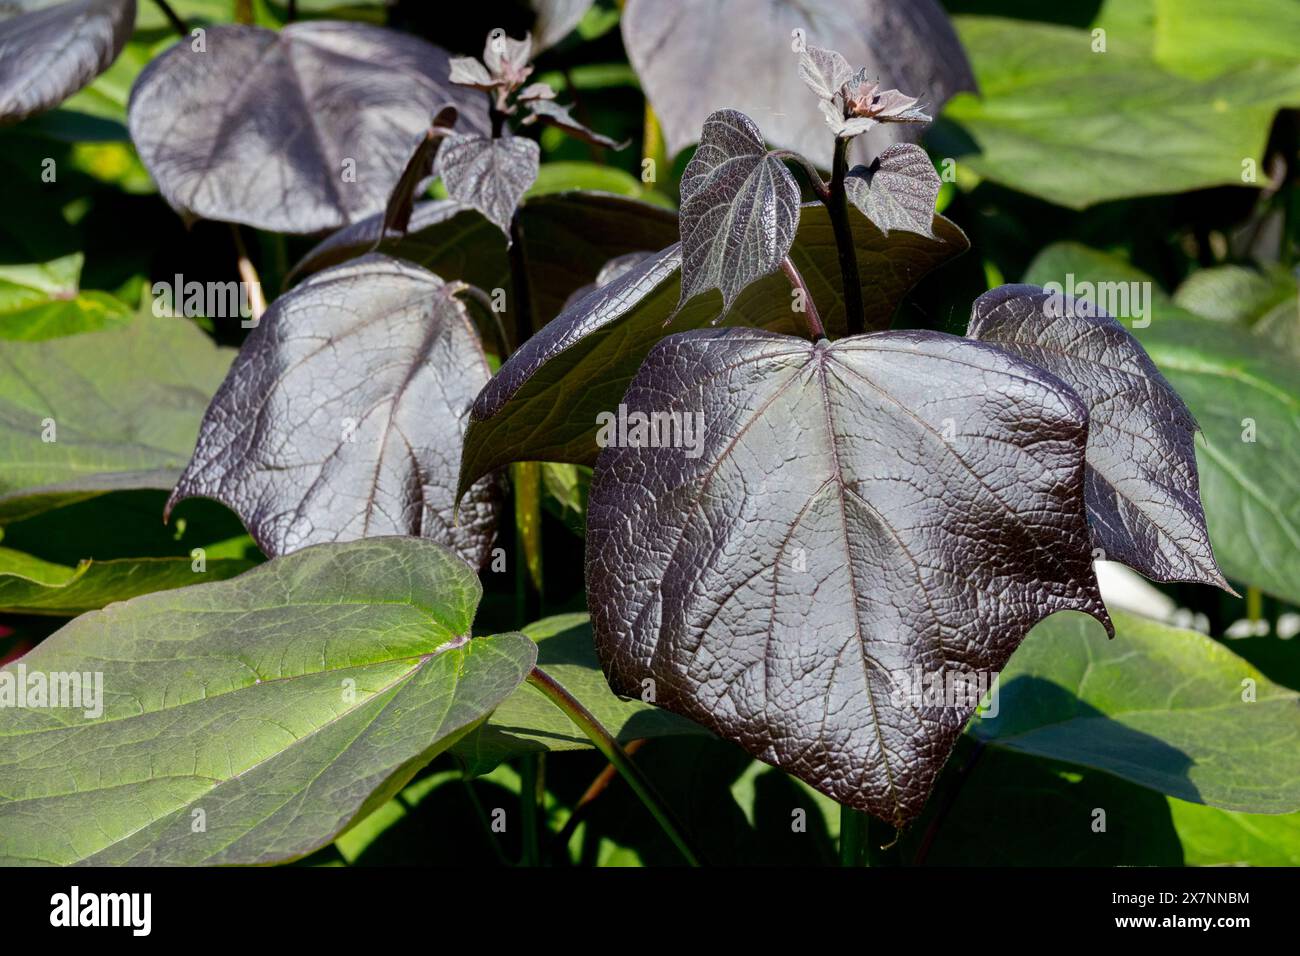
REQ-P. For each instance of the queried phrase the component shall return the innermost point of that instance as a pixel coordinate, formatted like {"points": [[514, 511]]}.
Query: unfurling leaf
{"points": [[344, 413], [467, 71], [740, 210], [48, 51], [551, 112], [1143, 498], [491, 175], [897, 191], [809, 531], [284, 705], [824, 71], [299, 130], [507, 59]]}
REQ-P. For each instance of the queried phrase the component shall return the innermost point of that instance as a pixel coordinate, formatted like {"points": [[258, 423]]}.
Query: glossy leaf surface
{"points": [[342, 416], [858, 516]]}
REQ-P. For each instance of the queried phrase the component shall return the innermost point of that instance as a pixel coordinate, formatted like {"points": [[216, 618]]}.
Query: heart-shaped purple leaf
{"points": [[344, 413], [299, 130], [797, 535], [487, 174], [1143, 496], [740, 210], [897, 191]]}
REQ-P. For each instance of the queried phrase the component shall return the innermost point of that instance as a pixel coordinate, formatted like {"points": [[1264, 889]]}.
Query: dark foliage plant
{"points": [[791, 510]]}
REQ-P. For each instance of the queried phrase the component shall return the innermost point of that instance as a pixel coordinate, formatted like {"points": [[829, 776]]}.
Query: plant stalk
{"points": [[173, 18], [248, 275], [815, 328], [585, 721], [838, 207]]}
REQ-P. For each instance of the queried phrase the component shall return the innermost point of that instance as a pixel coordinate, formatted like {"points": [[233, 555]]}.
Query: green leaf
{"points": [[1077, 127], [1238, 386], [121, 406], [1201, 38], [543, 405], [529, 723], [30, 585], [1160, 707], [285, 705], [1246, 398], [563, 177], [1212, 837], [1266, 303]]}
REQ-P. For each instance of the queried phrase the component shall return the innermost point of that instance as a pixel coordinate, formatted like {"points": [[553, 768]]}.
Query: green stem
{"points": [[838, 207], [1254, 604], [585, 721], [177, 23]]}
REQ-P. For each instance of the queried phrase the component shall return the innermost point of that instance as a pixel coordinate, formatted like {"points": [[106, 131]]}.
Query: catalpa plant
{"points": [[793, 510]]}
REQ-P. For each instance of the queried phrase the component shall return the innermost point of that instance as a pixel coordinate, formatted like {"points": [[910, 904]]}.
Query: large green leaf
{"points": [[544, 403], [1213, 837], [1239, 386], [30, 585], [284, 705], [1078, 127], [122, 405], [1203, 37], [1267, 302], [1161, 707], [528, 722]]}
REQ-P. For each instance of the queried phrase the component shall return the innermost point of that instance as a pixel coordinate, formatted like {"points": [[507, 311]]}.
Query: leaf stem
{"points": [[248, 275], [177, 23], [814, 177], [597, 786], [521, 304], [837, 206], [814, 320], [585, 721]]}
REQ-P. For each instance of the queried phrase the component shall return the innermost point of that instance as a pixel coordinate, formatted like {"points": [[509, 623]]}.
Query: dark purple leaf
{"points": [[740, 210], [696, 56], [854, 517], [490, 175], [610, 271], [897, 191], [344, 413], [568, 237], [556, 19], [48, 51], [548, 111], [1143, 496], [542, 405], [296, 131]]}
